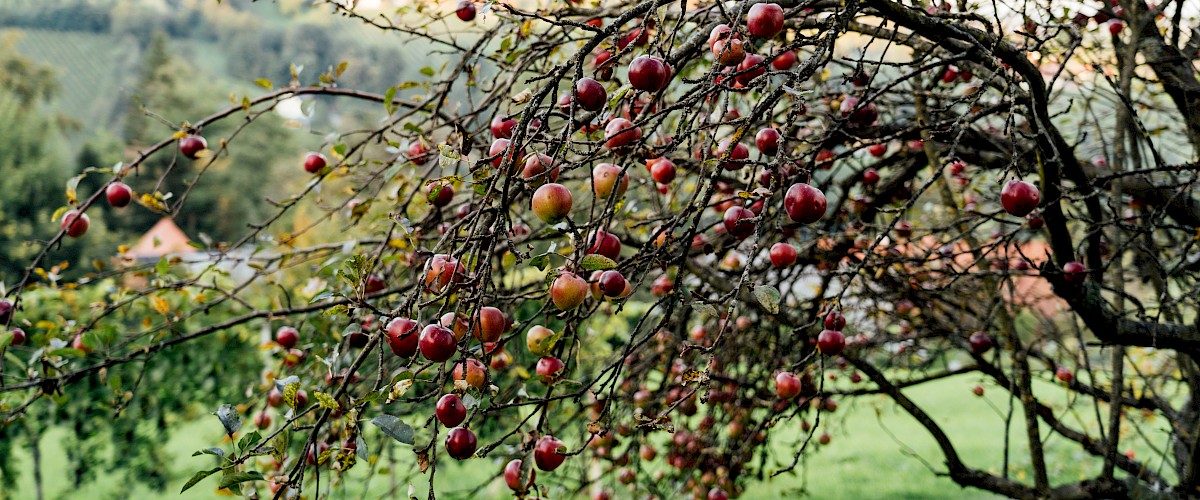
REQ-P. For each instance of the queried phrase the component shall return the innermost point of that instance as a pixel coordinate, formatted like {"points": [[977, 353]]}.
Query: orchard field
{"points": [[599, 249]]}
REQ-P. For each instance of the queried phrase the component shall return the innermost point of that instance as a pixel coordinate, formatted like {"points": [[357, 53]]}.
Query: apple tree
{"points": [[656, 243]]}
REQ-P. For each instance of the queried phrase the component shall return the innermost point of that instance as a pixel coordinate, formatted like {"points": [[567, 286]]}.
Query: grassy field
{"points": [[874, 453]]}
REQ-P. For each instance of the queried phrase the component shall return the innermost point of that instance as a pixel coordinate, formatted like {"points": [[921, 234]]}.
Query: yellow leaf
{"points": [[160, 305], [180, 134]]}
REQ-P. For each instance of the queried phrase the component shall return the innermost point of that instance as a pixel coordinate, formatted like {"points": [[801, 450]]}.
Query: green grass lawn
{"points": [[873, 453]]}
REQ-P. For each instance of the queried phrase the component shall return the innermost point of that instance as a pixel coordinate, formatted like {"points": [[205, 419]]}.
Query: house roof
{"points": [[162, 239]]}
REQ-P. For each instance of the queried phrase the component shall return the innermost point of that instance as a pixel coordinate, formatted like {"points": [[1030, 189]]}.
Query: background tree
{"points": [[708, 222]]}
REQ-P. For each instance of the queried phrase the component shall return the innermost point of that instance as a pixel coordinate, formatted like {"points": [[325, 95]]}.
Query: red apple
{"points": [[192, 145], [612, 283], [904, 229], [537, 340], [621, 132], [590, 94], [767, 141], [460, 443], [440, 194], [604, 243], [861, 115], [119, 194], [549, 369], [737, 156], [287, 337], [716, 493], [490, 324], [314, 162], [502, 127], [540, 168], [877, 150], [548, 453], [75, 223], [1019, 198], [465, 10], [1064, 374], [450, 410], [787, 385], [737, 222], [419, 153], [746, 73], [870, 177], [262, 419], [785, 60], [512, 477], [1074, 272], [835, 321], [804, 203], [552, 202], [476, 373], [765, 20], [18, 336], [663, 171], [980, 342], [609, 180], [729, 51], [568, 291], [648, 73], [783, 254], [831, 342], [437, 343]]}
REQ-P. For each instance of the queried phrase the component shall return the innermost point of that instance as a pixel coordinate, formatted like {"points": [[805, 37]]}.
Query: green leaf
{"points": [[67, 352], [239, 477], [229, 418], [427, 71], [394, 427], [72, 184], [249, 440], [341, 68], [162, 267], [197, 477], [264, 83], [389, 99], [768, 296], [705, 309], [210, 451], [326, 401], [597, 262], [470, 401], [339, 149], [289, 394]]}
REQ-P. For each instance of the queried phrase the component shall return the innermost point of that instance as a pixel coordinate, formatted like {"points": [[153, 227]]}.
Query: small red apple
{"points": [[460, 443], [648, 73], [785, 60], [590, 94], [552, 202], [549, 369], [450, 410], [465, 10], [804, 203], [119, 194], [568, 291], [548, 453], [787, 385], [767, 140], [783, 254], [314, 162], [1074, 272], [737, 222], [192, 145], [287, 337], [831, 342], [75, 223], [1019, 198], [512, 477], [764, 20], [437, 343]]}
